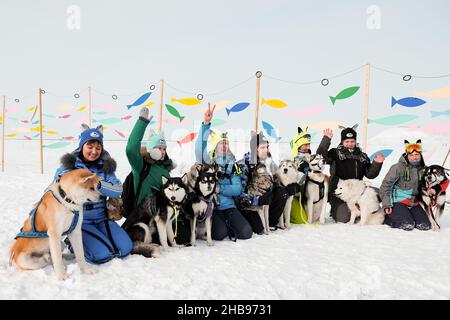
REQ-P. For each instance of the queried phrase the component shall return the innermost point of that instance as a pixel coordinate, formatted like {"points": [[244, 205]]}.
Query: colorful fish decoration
{"points": [[149, 104], [274, 103], [440, 113], [237, 107], [409, 102], [140, 100], [65, 116], [187, 101], [217, 122], [13, 118], [128, 117], [38, 128], [57, 145], [31, 108], [120, 133], [344, 94], [35, 122], [27, 137], [82, 108], [1, 118], [11, 135], [441, 93], [68, 138], [24, 121], [173, 111], [270, 131], [386, 153], [48, 115], [51, 132], [107, 120], [393, 120], [190, 137], [36, 135], [101, 113]]}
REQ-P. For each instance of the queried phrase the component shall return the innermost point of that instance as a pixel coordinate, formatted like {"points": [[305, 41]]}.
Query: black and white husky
{"points": [[432, 193], [156, 215], [199, 208], [316, 189]]}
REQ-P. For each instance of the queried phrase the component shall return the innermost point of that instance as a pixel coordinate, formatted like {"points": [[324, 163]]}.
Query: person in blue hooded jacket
{"points": [[226, 219], [103, 239]]}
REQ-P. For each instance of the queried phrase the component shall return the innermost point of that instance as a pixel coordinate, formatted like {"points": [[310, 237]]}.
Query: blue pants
{"points": [[230, 222], [406, 218], [97, 246]]}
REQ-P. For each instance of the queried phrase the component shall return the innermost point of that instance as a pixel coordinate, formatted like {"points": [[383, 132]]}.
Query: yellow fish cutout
{"points": [[437, 93], [274, 103], [32, 108], [11, 135], [82, 108], [148, 104], [187, 101], [37, 129], [51, 132], [1, 118]]}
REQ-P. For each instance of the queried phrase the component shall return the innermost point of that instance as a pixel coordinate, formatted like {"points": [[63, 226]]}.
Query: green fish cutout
{"points": [[394, 120], [108, 120], [101, 113], [57, 145], [344, 94], [48, 115], [174, 112]]}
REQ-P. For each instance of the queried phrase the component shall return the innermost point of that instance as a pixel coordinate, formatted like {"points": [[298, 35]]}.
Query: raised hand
{"points": [[209, 114], [379, 158], [328, 133]]}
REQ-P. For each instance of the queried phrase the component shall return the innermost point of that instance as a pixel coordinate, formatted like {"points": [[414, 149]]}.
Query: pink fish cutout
{"points": [[24, 121], [27, 137], [126, 117], [306, 112], [68, 138], [120, 133], [65, 116]]}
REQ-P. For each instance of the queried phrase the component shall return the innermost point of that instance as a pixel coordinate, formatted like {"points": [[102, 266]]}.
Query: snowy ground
{"points": [[305, 262]]}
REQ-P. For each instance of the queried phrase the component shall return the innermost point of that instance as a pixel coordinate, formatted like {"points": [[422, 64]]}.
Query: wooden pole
{"points": [[443, 163], [366, 107], [90, 105], [258, 89], [3, 133], [161, 101], [40, 131]]}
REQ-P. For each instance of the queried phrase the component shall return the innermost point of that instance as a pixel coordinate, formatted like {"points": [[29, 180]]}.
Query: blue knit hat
{"points": [[90, 134]]}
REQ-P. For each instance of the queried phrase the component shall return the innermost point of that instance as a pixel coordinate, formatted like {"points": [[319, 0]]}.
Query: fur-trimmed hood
{"points": [[71, 161]]}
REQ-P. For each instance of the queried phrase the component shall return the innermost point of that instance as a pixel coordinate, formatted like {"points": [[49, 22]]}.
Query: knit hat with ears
{"points": [[302, 137], [348, 133], [89, 134]]}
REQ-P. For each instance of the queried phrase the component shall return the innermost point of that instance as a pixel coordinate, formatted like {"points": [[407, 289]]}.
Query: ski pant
{"points": [[231, 223], [408, 218]]}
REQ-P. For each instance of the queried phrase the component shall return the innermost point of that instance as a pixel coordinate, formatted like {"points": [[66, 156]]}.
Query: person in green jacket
{"points": [[153, 154]]}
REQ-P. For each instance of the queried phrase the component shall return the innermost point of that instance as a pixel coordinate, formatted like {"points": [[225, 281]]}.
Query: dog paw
{"points": [[322, 221], [209, 243], [62, 276], [88, 270]]}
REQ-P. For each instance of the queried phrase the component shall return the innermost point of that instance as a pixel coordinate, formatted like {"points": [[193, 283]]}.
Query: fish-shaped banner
{"points": [[82, 108], [57, 145], [344, 94], [31, 108], [274, 103], [107, 120], [1, 118], [188, 138], [38, 128], [51, 132], [35, 122], [120, 133], [386, 153], [394, 120], [48, 115], [100, 113], [217, 122], [148, 104], [65, 116], [237, 107], [270, 131], [440, 113], [187, 101], [128, 117], [13, 118], [11, 135], [24, 121], [68, 138], [27, 137], [441, 93], [36, 135], [173, 111], [139, 100], [409, 102]]}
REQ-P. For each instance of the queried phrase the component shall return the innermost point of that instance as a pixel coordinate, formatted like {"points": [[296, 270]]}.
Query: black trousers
{"points": [[230, 223]]}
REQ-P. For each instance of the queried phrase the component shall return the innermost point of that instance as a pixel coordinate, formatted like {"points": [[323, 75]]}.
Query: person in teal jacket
{"points": [[226, 219]]}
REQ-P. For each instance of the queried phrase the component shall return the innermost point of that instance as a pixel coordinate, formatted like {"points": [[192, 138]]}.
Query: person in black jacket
{"points": [[347, 161]]}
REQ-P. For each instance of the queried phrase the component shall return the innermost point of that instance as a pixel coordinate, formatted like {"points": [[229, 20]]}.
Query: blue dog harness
{"points": [[35, 234]]}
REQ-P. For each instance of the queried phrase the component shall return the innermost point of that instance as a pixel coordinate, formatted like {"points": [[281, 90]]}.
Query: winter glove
{"points": [[290, 190], [265, 199], [143, 114], [248, 200]]}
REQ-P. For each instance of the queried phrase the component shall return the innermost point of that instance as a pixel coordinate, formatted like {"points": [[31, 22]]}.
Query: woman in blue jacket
{"points": [[103, 239], [226, 220]]}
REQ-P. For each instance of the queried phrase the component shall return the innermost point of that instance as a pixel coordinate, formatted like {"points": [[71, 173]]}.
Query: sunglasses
{"points": [[413, 147], [307, 136]]}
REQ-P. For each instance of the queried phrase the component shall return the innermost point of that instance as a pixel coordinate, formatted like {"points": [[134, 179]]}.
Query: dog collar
{"points": [[63, 195]]}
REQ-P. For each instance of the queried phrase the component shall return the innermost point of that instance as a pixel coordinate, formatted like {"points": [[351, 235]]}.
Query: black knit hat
{"points": [[256, 140], [349, 133]]}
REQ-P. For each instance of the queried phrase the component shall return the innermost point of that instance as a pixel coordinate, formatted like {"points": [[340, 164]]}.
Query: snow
{"points": [[305, 262]]}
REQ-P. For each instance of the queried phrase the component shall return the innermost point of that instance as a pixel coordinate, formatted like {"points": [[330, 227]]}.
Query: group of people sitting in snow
{"points": [[104, 239]]}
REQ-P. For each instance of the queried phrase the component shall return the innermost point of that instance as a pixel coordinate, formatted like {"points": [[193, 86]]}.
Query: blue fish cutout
{"points": [[35, 122], [440, 113], [238, 107], [36, 135], [270, 131], [386, 153], [140, 100], [409, 102]]}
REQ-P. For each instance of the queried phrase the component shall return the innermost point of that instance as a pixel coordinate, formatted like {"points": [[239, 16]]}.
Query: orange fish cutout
{"points": [[187, 139]]}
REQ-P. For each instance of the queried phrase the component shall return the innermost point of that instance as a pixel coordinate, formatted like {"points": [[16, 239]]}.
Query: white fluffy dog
{"points": [[362, 201]]}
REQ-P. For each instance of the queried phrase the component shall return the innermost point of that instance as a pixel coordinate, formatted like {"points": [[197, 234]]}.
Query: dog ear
{"points": [[367, 183], [84, 127], [164, 180], [100, 128], [184, 178], [89, 177], [299, 130], [406, 141]]}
